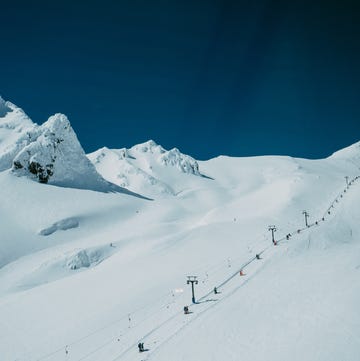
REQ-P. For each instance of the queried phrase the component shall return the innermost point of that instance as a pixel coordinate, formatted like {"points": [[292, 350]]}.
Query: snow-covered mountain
{"points": [[87, 275], [146, 168], [49, 153], [54, 155]]}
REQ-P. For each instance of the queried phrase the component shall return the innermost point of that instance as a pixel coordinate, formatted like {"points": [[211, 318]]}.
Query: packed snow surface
{"points": [[88, 274]]}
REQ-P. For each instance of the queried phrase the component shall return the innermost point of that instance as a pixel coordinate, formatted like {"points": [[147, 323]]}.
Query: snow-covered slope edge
{"points": [[350, 153]]}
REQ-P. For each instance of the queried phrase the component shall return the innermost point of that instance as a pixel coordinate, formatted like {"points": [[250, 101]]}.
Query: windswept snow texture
{"points": [[87, 275], [146, 168]]}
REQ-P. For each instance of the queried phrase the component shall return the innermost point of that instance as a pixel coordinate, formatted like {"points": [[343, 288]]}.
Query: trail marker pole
{"points": [[192, 280]]}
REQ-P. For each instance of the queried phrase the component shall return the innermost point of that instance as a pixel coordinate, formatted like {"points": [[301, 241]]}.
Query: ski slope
{"points": [[87, 274], [145, 249], [298, 302]]}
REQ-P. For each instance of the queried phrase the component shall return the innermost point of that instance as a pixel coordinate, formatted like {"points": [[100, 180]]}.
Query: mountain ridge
{"points": [[137, 169]]}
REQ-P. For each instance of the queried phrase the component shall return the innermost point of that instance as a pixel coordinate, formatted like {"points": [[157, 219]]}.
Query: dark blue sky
{"points": [[209, 77]]}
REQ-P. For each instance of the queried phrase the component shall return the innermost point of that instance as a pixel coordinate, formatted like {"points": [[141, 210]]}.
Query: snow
{"points": [[351, 153], [14, 128], [87, 274], [146, 168], [54, 155], [64, 225], [49, 153]]}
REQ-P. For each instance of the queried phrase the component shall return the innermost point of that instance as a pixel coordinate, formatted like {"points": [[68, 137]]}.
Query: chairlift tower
{"points": [[193, 280], [306, 214], [272, 229]]}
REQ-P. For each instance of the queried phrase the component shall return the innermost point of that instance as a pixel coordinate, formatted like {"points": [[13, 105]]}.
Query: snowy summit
{"points": [[145, 168], [49, 153]]}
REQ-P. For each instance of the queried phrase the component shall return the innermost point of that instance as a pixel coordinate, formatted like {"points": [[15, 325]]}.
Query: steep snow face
{"points": [[181, 161], [50, 153], [146, 167], [15, 126], [54, 155]]}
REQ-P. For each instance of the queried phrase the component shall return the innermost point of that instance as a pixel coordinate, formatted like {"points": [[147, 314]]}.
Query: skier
{"points": [[215, 290], [141, 347], [258, 256], [186, 310]]}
